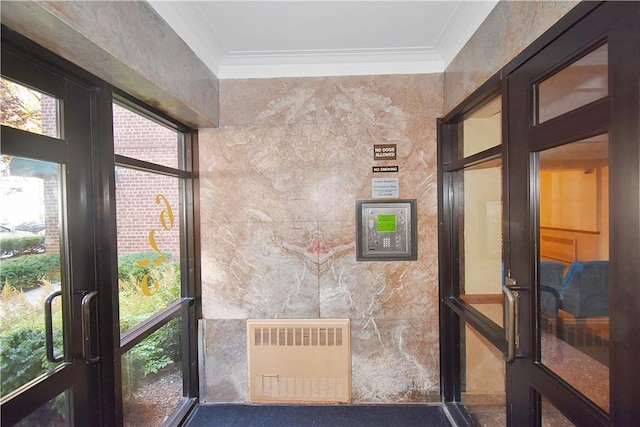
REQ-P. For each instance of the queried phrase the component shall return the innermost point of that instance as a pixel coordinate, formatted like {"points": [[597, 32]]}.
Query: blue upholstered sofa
{"points": [[585, 289], [582, 292], [551, 275]]}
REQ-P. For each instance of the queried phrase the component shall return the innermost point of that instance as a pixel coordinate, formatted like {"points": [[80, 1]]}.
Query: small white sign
{"points": [[385, 188]]}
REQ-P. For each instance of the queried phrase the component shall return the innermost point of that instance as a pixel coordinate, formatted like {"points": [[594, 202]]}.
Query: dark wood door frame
{"points": [[619, 24], [104, 397], [79, 96]]}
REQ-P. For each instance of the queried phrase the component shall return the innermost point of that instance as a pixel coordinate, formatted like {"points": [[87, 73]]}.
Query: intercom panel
{"points": [[386, 230]]}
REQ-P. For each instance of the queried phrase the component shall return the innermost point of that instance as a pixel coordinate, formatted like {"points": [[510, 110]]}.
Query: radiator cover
{"points": [[299, 360]]}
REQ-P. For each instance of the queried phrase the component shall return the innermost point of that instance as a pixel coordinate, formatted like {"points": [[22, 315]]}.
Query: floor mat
{"points": [[238, 415]]}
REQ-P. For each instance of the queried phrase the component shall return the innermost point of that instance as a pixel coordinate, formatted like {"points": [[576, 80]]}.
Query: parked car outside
{"points": [[35, 227], [6, 233]]}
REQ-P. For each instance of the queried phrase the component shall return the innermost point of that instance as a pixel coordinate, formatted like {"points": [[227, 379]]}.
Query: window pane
{"points": [[574, 265], [54, 413], [582, 82], [137, 137], [551, 417], [147, 209], [483, 129], [30, 269], [152, 377], [29, 110], [481, 237]]}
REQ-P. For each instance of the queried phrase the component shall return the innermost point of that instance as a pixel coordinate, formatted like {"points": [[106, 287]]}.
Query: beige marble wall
{"points": [[279, 182], [280, 178], [509, 29]]}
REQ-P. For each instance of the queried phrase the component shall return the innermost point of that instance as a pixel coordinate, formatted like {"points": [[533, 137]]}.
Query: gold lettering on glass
{"points": [[167, 222]]}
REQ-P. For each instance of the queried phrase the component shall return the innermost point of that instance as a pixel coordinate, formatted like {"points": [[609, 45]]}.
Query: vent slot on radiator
{"points": [[315, 336], [299, 360]]}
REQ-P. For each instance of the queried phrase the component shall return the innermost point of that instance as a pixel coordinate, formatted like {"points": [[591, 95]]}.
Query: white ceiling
{"points": [[258, 39]]}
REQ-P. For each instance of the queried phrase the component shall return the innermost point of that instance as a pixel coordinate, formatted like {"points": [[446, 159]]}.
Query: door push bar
{"points": [[48, 327], [510, 289], [86, 329]]}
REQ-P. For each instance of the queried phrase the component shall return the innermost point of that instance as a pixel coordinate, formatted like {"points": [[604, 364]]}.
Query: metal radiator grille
{"points": [[299, 360]]}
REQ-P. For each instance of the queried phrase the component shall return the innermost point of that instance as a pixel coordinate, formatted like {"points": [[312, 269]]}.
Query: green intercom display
{"points": [[386, 223], [386, 230]]}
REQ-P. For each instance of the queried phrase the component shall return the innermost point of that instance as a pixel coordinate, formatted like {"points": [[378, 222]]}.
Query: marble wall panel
{"points": [[343, 174], [393, 361], [259, 270], [372, 290], [127, 44], [223, 360], [509, 28], [279, 102], [259, 174], [279, 182], [374, 110]]}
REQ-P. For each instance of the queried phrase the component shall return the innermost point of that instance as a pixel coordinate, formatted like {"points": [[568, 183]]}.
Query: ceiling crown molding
{"points": [[330, 63]]}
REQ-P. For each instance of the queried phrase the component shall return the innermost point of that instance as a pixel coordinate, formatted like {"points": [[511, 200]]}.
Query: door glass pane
{"points": [[54, 413], [29, 110], [483, 128], [480, 236], [574, 265], [147, 210], [551, 417], [137, 137], [152, 377], [582, 82], [30, 269], [483, 377]]}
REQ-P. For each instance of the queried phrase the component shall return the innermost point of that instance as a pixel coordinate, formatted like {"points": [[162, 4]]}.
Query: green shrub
{"points": [[135, 306], [21, 358], [22, 338], [22, 245], [159, 349], [163, 347], [25, 271], [128, 265]]}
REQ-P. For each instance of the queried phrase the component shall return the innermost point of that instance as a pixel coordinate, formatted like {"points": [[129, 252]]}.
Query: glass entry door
{"points": [[557, 348], [51, 357], [99, 257], [573, 146], [476, 184]]}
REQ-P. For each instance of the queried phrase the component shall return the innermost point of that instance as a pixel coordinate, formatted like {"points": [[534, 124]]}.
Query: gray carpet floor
{"points": [[238, 415]]}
